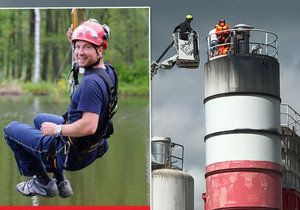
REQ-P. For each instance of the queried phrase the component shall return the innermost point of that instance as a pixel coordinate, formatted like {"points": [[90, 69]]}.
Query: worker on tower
{"points": [[184, 28], [56, 143], [223, 35]]}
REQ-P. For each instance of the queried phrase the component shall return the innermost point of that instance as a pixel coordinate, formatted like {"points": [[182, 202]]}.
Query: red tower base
{"points": [[243, 185], [290, 199]]}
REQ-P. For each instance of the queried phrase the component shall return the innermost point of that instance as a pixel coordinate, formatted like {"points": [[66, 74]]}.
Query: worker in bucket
{"points": [[55, 143], [223, 34], [213, 42], [184, 28]]}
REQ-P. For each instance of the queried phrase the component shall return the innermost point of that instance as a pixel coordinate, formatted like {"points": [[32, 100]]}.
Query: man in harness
{"points": [[56, 144]]}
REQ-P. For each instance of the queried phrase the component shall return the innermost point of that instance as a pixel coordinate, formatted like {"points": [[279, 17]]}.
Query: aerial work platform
{"points": [[187, 54]]}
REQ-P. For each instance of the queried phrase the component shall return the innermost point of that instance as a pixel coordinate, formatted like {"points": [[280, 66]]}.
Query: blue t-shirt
{"points": [[91, 96]]}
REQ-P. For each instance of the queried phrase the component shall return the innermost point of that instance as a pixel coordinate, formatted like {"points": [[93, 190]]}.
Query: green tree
{"points": [[128, 46]]}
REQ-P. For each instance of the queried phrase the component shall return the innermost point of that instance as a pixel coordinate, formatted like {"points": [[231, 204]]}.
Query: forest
{"points": [[128, 47]]}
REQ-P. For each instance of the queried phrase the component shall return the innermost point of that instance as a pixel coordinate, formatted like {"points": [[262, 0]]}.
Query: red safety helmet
{"points": [[91, 31]]}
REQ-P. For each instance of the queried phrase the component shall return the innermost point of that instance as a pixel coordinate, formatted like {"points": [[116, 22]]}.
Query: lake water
{"points": [[120, 177]]}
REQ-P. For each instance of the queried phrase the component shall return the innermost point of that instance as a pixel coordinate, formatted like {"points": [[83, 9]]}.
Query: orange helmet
{"points": [[91, 31]]}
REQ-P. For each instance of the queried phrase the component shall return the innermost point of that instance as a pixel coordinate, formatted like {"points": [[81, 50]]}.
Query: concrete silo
{"points": [[242, 117], [172, 189]]}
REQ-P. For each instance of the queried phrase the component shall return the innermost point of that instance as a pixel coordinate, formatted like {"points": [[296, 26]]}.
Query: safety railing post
{"points": [[290, 118], [208, 47], [267, 44]]}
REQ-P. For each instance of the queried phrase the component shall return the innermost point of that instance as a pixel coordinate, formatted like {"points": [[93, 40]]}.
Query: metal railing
{"points": [[177, 156], [167, 154], [290, 118], [290, 147], [259, 42]]}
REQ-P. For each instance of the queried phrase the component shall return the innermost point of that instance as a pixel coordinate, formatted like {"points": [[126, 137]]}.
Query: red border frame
{"points": [[76, 207]]}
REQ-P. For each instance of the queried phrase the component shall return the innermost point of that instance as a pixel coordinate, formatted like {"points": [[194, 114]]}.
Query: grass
{"points": [[134, 90], [59, 90], [10, 88]]}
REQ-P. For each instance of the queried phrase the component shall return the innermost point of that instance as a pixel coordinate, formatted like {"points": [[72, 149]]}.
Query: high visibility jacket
{"points": [[221, 32]]}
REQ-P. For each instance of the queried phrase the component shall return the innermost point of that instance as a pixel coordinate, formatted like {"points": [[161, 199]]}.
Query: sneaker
{"points": [[65, 189], [34, 187]]}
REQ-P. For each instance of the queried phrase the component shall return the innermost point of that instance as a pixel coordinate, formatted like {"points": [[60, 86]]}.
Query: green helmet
{"points": [[189, 17]]}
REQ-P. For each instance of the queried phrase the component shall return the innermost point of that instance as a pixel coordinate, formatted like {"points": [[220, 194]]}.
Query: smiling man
{"points": [[55, 143]]}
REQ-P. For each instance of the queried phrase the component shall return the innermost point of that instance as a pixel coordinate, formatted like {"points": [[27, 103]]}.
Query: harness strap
{"points": [[113, 95], [96, 139], [51, 157]]}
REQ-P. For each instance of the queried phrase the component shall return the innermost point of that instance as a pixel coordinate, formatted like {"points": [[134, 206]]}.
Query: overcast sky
{"points": [[177, 95]]}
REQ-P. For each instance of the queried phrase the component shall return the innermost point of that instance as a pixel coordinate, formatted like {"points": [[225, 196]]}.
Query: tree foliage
{"points": [[128, 47]]}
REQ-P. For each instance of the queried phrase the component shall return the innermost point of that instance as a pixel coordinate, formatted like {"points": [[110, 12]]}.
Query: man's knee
{"points": [[45, 117], [9, 129], [39, 119]]}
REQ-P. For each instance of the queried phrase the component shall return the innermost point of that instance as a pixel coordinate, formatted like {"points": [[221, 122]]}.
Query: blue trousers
{"points": [[32, 150]]}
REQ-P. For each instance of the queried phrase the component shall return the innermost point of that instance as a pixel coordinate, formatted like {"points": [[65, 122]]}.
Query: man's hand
{"points": [[85, 126], [48, 128], [69, 33]]}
